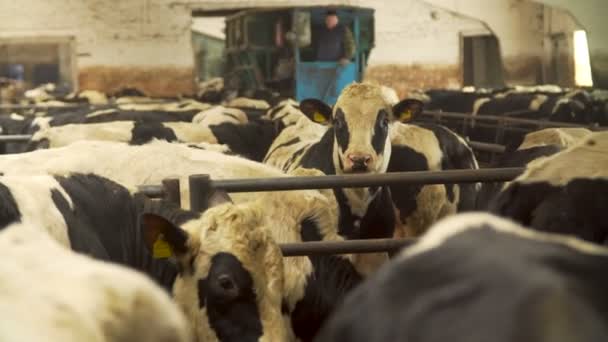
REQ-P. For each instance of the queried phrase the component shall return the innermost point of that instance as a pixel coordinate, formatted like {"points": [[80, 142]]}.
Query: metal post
{"points": [[171, 190], [200, 190], [344, 247]]}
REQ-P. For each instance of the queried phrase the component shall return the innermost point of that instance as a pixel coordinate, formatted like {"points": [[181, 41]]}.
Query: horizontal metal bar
{"points": [[333, 181], [481, 146], [506, 119], [344, 247], [366, 180], [152, 191], [15, 137], [42, 106]]}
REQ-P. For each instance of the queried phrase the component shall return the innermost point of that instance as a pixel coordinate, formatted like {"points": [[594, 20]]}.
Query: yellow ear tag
{"points": [[406, 116], [318, 117], [161, 248]]}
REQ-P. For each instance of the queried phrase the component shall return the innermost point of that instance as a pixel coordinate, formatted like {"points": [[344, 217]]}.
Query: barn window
{"points": [[582, 64], [38, 60]]}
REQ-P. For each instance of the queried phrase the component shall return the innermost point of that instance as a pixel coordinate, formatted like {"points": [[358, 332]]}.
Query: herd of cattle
{"points": [[515, 261]]}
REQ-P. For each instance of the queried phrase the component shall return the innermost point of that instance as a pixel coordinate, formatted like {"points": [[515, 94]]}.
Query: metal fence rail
{"points": [[509, 120], [344, 247], [15, 137], [202, 186], [363, 180]]}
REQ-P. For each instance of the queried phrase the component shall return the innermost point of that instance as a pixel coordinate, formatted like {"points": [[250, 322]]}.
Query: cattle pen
{"points": [[203, 189]]}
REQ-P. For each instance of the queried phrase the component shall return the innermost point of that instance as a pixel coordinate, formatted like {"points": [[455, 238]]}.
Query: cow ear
{"points": [[408, 109], [219, 197], [316, 110], [162, 238]]}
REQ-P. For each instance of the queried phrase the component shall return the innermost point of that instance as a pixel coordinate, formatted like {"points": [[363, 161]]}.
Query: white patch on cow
{"points": [[33, 197], [220, 114], [478, 103], [59, 136], [16, 117], [562, 137], [211, 147], [77, 298], [285, 157], [94, 97], [454, 225], [243, 102], [42, 122], [132, 166], [468, 89], [289, 115], [101, 112], [176, 106], [537, 102], [191, 133], [390, 95], [588, 159]]}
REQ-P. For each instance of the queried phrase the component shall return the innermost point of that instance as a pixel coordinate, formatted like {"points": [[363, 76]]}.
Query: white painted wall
{"points": [[134, 32]]}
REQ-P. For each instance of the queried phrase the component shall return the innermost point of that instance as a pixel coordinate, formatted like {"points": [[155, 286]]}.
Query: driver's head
{"points": [[331, 19]]}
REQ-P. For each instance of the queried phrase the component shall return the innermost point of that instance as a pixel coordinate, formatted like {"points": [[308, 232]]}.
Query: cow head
{"points": [[230, 280], [360, 122]]}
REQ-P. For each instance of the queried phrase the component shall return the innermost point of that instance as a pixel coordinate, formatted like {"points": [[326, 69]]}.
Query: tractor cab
{"points": [[275, 49]]}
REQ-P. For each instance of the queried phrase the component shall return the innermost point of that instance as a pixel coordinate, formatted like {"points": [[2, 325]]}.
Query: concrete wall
{"points": [[591, 15], [524, 29], [137, 43]]}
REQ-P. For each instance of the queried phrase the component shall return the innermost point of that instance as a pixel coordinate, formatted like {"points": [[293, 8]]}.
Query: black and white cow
{"points": [[132, 165], [51, 294], [428, 147], [357, 141], [563, 193], [477, 277], [533, 146], [228, 273], [313, 285]]}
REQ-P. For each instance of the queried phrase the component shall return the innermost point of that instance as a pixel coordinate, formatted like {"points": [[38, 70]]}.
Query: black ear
{"points": [[162, 238], [408, 109], [316, 110]]}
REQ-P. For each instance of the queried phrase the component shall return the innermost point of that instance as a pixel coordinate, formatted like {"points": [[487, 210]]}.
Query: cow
{"points": [[221, 266], [51, 294], [532, 146], [477, 277], [131, 132], [564, 193], [132, 166], [428, 147], [356, 141], [290, 216]]}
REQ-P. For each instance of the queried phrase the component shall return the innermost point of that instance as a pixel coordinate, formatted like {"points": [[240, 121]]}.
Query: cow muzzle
{"points": [[358, 163]]}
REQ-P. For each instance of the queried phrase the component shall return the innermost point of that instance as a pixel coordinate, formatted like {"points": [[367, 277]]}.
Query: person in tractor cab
{"points": [[335, 41]]}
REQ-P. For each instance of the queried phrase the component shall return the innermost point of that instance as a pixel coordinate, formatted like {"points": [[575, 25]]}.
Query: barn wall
{"points": [[524, 29], [136, 43], [591, 15], [418, 45]]}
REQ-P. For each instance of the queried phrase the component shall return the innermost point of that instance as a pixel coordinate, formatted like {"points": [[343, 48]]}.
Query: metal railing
{"points": [[202, 188]]}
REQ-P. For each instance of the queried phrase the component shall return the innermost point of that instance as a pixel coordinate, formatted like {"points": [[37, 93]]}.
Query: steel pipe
{"points": [[487, 147], [15, 137], [507, 119], [366, 180], [334, 181], [344, 247]]}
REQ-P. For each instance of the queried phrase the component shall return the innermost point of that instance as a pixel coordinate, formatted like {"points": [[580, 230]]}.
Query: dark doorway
{"points": [[482, 65]]}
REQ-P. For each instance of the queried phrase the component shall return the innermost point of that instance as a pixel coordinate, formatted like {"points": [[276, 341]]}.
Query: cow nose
{"points": [[360, 161]]}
